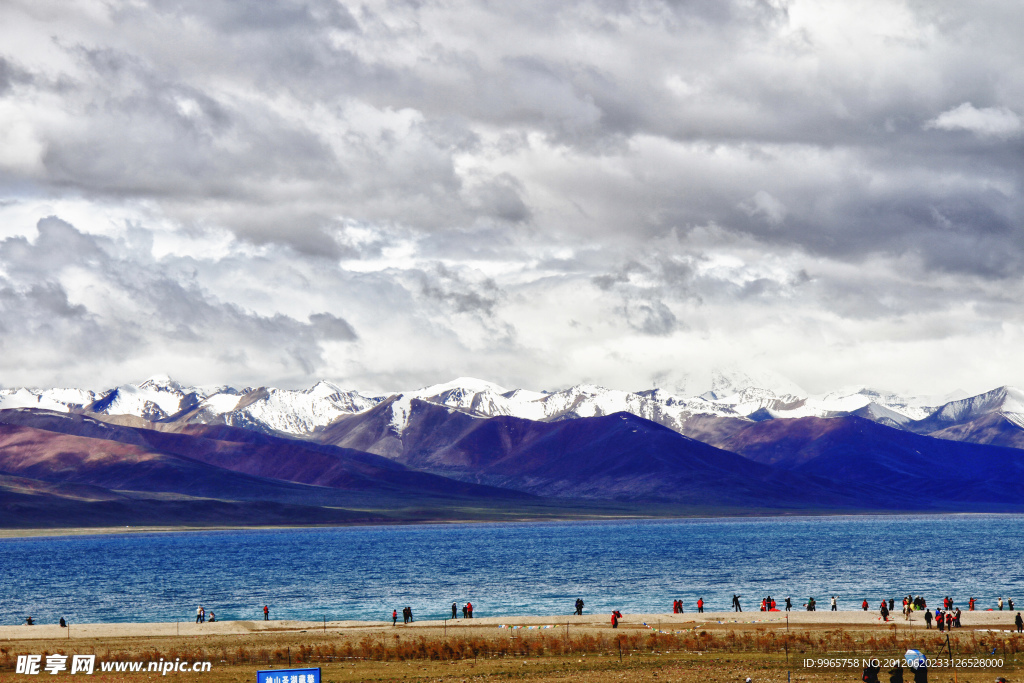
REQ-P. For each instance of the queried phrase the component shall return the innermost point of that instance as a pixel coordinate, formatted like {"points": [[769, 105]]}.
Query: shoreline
{"points": [[157, 529], [989, 621]]}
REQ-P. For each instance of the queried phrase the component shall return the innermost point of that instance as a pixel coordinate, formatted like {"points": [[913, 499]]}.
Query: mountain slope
{"points": [[858, 452], [237, 465], [620, 456]]}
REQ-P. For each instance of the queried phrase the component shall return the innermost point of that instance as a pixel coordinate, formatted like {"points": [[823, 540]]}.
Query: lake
{"points": [[510, 569]]}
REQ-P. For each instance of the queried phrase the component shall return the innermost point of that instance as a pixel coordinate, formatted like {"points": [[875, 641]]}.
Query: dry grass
{"points": [[695, 655]]}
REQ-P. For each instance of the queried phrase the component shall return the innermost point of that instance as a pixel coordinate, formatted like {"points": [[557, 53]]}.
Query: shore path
{"points": [[987, 620]]}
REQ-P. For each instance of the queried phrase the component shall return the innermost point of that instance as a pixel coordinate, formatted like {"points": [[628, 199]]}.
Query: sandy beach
{"points": [[985, 620]]}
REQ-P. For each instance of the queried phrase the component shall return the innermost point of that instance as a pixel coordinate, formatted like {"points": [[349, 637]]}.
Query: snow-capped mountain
{"points": [[303, 413]]}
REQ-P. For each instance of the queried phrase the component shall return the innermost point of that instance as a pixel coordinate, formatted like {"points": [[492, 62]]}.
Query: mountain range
{"points": [[159, 452]]}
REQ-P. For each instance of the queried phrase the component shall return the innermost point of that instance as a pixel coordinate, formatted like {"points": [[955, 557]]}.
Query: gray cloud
{"points": [[523, 188]]}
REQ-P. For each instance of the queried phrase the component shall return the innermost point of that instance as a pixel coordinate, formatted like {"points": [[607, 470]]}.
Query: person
{"points": [[469, 608], [29, 622], [896, 674], [579, 606], [213, 617], [394, 617], [956, 618], [870, 674], [763, 601], [1017, 621], [700, 605], [927, 619], [465, 611], [736, 603], [681, 610], [455, 611], [199, 614], [772, 605], [789, 603], [64, 624], [920, 673], [1000, 604], [884, 611], [939, 621], [864, 605], [833, 603], [266, 613], [892, 604], [615, 620], [410, 614], [1009, 601], [970, 605]]}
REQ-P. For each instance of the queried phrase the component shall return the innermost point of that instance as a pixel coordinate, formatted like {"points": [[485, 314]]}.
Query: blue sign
{"points": [[289, 676]]}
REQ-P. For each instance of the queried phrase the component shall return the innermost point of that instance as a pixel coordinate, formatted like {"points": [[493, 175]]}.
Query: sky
{"points": [[393, 193]]}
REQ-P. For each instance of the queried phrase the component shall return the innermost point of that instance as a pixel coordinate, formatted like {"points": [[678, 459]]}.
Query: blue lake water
{"points": [[510, 569]]}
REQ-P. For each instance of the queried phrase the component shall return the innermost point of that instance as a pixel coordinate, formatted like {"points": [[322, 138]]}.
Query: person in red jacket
{"points": [[469, 609], [266, 613], [970, 605], [616, 615], [700, 605], [864, 605]]}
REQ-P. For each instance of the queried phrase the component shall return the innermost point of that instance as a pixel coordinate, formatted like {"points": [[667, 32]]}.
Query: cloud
{"points": [[395, 193], [988, 122]]}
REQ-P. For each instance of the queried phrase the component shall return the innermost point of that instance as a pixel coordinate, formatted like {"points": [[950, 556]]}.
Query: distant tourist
{"points": [[1000, 604], [394, 617], [884, 611], [834, 608], [199, 614], [465, 611], [700, 605], [455, 611], [956, 618], [1009, 602], [970, 605], [789, 604], [213, 617], [939, 621], [469, 609], [736, 603], [579, 606], [927, 619], [892, 604], [616, 615], [864, 605], [1019, 623], [266, 613], [64, 624]]}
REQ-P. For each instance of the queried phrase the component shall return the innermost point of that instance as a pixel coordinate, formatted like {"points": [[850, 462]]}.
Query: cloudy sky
{"points": [[392, 193]]}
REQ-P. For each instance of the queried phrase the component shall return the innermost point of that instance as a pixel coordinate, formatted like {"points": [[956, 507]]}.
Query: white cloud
{"points": [[987, 122], [537, 193]]}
